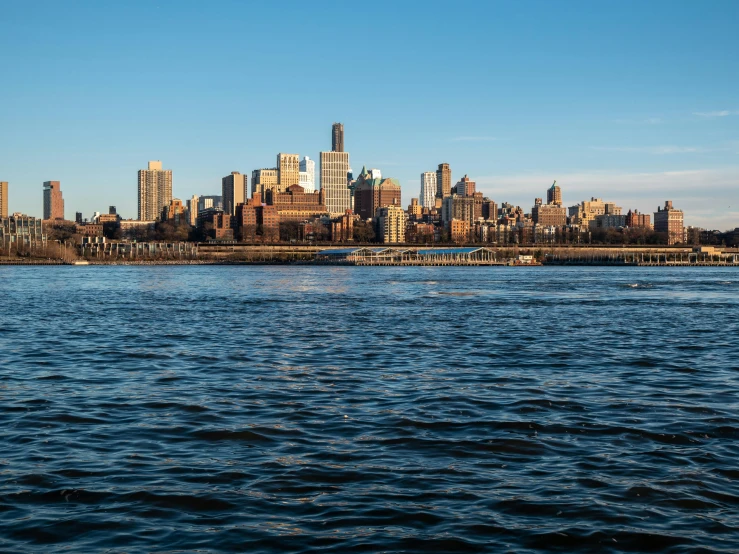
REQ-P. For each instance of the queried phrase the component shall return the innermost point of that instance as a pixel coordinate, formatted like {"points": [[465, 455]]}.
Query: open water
{"points": [[342, 409]]}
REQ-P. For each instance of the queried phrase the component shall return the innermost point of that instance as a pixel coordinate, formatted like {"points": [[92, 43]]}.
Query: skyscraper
{"points": [[428, 189], [192, 209], [334, 170], [288, 166], [443, 181], [233, 189], [3, 199], [263, 180], [554, 194], [337, 137], [308, 174], [53, 201], [669, 220], [155, 191]]}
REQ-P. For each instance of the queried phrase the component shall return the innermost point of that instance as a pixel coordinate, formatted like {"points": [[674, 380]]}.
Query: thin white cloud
{"points": [[656, 150], [647, 121], [721, 113], [473, 139]]}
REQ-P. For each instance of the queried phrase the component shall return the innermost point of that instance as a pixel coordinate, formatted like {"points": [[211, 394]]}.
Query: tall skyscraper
{"points": [[288, 166], [53, 201], [337, 137], [155, 191], [234, 191], [428, 189], [554, 194], [308, 174], [192, 209], [443, 181], [3, 199], [334, 170]]}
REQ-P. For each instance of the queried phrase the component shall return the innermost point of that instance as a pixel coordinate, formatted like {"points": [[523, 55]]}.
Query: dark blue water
{"points": [[301, 409]]}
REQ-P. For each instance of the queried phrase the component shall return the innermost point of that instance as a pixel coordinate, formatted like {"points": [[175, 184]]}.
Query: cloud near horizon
{"points": [[721, 113]]}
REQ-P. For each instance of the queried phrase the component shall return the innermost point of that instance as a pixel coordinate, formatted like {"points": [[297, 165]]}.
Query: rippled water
{"points": [[329, 409]]}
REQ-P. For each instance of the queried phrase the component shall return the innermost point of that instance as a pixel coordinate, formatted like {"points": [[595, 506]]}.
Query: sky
{"points": [[634, 102]]}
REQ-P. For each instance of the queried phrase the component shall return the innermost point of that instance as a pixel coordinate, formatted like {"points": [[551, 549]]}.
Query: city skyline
{"points": [[645, 111]]}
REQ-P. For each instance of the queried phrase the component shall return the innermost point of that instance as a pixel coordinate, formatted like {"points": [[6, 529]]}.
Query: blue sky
{"points": [[636, 102]]}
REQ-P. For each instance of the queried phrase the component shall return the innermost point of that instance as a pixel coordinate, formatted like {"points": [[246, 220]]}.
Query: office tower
{"points": [[53, 201], [334, 167], [3, 199], [308, 174], [443, 181], [262, 180], [554, 194], [234, 191], [155, 191], [428, 189], [372, 193], [465, 187], [670, 221], [337, 137], [288, 167]]}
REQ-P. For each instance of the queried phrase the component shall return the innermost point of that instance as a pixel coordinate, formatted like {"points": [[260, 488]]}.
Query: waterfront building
{"points": [[288, 171], [342, 227], [554, 194], [443, 181], [3, 199], [53, 201], [334, 168], [134, 229], [308, 174], [465, 187], [636, 219], [459, 230], [20, 229], [337, 137], [174, 213], [89, 229], [253, 217], [234, 191], [372, 193], [391, 221], [192, 210], [264, 179], [549, 215], [670, 221], [295, 204], [155, 191], [215, 224], [428, 189]]}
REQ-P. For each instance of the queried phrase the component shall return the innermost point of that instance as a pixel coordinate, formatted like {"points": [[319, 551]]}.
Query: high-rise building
{"points": [[262, 180], [370, 194], [3, 199], [465, 187], [337, 137], [554, 194], [155, 191], [636, 219], [670, 221], [334, 170], [234, 191], [391, 224], [428, 189], [53, 201], [288, 167], [192, 210], [308, 174], [443, 181]]}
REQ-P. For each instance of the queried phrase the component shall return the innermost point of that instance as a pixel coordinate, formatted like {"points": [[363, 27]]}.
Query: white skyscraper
{"points": [[428, 189], [308, 174], [334, 171]]}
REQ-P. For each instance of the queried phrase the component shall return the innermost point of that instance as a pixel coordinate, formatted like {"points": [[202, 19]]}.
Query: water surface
{"points": [[332, 409]]}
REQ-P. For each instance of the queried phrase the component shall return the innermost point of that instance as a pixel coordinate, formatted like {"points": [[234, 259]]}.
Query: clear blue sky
{"points": [[636, 102]]}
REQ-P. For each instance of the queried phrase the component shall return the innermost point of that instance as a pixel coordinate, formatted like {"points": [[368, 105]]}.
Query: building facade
{"points": [[337, 137], [443, 181], [465, 187], [234, 191], [53, 201], [636, 219], [288, 171], [549, 215], [262, 180], [20, 229], [391, 222], [308, 174], [3, 199], [669, 220], [334, 168], [370, 194], [155, 191], [428, 189], [295, 204], [554, 194]]}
